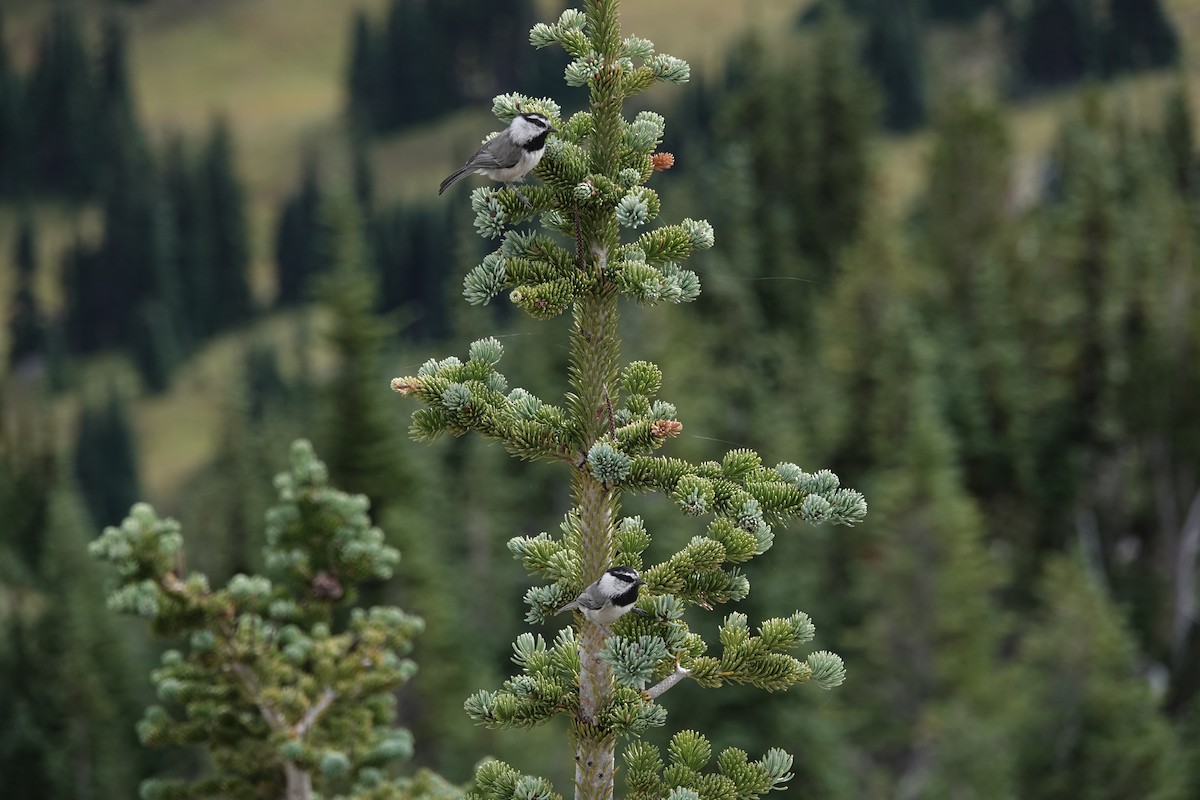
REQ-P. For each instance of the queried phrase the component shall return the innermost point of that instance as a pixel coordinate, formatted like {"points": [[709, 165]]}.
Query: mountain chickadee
{"points": [[510, 156], [608, 599]]}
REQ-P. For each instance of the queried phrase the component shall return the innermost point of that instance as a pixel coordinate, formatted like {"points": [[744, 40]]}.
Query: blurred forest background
{"points": [[958, 238]]}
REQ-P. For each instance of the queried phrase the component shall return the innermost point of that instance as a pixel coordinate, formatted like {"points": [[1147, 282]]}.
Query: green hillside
{"points": [[275, 69]]}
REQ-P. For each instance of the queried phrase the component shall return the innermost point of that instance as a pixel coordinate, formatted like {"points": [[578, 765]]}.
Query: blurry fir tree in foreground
{"points": [[283, 679]]}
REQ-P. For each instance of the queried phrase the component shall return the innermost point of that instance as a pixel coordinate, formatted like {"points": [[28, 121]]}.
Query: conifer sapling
{"points": [[281, 677], [606, 432]]}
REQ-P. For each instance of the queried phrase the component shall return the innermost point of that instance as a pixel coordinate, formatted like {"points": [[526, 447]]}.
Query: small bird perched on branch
{"points": [[609, 598], [510, 156]]}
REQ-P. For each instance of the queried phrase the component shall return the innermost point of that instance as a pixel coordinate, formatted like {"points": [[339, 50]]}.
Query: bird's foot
{"points": [[524, 199]]}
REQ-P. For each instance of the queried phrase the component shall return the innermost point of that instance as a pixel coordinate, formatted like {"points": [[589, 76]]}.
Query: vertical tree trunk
{"points": [[594, 353], [299, 782], [594, 348]]}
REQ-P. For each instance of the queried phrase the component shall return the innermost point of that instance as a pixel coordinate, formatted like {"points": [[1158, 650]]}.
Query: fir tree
{"points": [[409, 244], [412, 44], [61, 95], [1088, 725], [837, 146], [154, 344], [225, 208], [27, 328], [106, 458], [1139, 35], [363, 73], [283, 679], [960, 10], [1179, 141], [363, 172], [361, 436], [224, 505], [1059, 41], [14, 155], [300, 242], [893, 53], [65, 665], [968, 230], [191, 224], [929, 628], [83, 299], [608, 682], [116, 119], [809, 161]]}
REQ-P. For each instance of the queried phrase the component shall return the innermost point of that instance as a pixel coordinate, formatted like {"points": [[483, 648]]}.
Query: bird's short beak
{"points": [[640, 582], [552, 129]]}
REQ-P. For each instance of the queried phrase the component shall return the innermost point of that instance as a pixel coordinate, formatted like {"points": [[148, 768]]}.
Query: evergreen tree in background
{"points": [[66, 692], [14, 169], [367, 455], [106, 458], [61, 95], [410, 246], [893, 52], [1179, 141], [171, 266], [1088, 722], [363, 73], [116, 124], [409, 45], [960, 10], [192, 228], [1154, 341], [230, 249], [362, 440], [139, 292], [968, 232], [223, 506], [1139, 36], [808, 148], [363, 172], [301, 247], [929, 628], [1060, 41], [430, 58], [835, 148], [27, 328]]}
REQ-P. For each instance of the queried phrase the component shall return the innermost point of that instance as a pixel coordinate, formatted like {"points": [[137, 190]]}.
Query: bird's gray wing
{"points": [[499, 153], [490, 156], [590, 598], [587, 599]]}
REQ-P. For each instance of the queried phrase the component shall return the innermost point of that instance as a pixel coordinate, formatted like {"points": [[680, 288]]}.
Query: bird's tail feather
{"points": [[454, 178]]}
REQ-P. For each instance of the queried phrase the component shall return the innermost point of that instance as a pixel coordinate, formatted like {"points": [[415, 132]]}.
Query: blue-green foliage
{"points": [[278, 680]]}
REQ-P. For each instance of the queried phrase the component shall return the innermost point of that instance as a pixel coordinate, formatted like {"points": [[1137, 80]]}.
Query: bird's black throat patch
{"points": [[537, 143], [627, 597]]}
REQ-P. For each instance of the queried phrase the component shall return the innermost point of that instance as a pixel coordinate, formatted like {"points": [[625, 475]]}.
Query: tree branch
{"points": [[666, 683], [310, 718]]}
